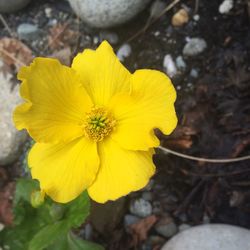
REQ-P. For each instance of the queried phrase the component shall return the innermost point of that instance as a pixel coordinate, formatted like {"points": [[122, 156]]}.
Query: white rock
{"points": [[169, 66], [107, 13], [140, 207], [1, 227], [196, 17], [194, 73], [194, 46], [124, 51], [226, 6], [111, 37], [180, 63], [166, 227], [210, 237], [10, 138], [9, 6], [27, 31]]}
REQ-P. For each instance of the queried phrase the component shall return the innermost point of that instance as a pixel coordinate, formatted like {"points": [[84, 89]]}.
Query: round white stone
{"points": [[210, 237], [107, 13]]}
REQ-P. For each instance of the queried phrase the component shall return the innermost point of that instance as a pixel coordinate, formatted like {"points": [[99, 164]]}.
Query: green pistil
{"points": [[98, 122]]}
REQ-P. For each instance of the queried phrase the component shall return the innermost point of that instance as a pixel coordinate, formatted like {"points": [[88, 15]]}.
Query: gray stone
{"points": [[211, 237], [183, 227], [226, 6], [111, 37], [27, 31], [194, 73], [130, 219], [169, 66], [140, 207], [194, 47], [10, 139], [166, 227], [124, 51], [147, 196], [180, 63], [107, 13], [8, 6]]}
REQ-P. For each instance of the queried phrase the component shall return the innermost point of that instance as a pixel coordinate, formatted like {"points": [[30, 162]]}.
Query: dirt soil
{"points": [[213, 110]]}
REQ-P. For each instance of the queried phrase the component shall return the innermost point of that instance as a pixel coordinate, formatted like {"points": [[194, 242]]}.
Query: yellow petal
{"points": [[150, 105], [64, 170], [102, 73], [121, 171], [56, 101]]}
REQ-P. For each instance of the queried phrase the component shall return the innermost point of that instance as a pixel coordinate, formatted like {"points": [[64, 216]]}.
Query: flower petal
{"points": [[64, 170], [121, 171], [56, 102], [102, 73], [150, 105]]}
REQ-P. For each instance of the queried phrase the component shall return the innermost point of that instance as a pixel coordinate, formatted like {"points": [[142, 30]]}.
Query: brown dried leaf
{"points": [[140, 229], [14, 53], [61, 36], [6, 195]]}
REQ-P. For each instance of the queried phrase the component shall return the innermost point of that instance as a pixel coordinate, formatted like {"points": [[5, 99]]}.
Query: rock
{"points": [[147, 196], [10, 139], [183, 227], [194, 73], [27, 31], [210, 237], [194, 47], [180, 18], [124, 51], [107, 13], [226, 6], [111, 37], [130, 219], [8, 6], [180, 63], [196, 17], [140, 207], [166, 227], [169, 66]]}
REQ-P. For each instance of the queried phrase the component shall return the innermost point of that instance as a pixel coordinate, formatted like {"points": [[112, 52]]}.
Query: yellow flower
{"points": [[93, 124]]}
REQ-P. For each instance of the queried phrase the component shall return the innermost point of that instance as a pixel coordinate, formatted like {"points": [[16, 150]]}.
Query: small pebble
{"points": [[140, 207], [111, 37], [48, 12], [180, 18], [130, 219], [194, 73], [147, 196], [169, 66], [183, 227], [166, 227], [180, 63], [226, 6], [1, 227], [196, 17], [194, 47], [95, 40], [124, 51], [27, 31]]}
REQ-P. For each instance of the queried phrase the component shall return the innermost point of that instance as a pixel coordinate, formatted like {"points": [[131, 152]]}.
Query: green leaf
{"points": [[72, 242], [48, 235], [77, 210], [75, 243]]}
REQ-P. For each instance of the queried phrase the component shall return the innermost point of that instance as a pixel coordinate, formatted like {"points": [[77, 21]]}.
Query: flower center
{"points": [[98, 124]]}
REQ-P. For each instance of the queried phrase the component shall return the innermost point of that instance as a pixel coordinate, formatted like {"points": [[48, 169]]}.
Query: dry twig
{"points": [[194, 158]]}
